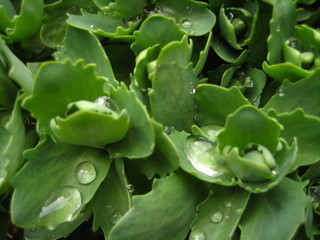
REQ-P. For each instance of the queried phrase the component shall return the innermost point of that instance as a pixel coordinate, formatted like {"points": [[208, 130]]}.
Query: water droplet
{"points": [[60, 207], [193, 91], [239, 211], [167, 130], [227, 204], [281, 92], [130, 188], [108, 102], [274, 172], [33, 229], [197, 234], [249, 82], [91, 26], [186, 24], [226, 217], [108, 207], [202, 155], [85, 172], [278, 29], [230, 16], [216, 217], [292, 42], [116, 217], [193, 32]]}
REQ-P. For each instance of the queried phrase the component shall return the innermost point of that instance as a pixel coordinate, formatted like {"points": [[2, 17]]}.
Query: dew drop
{"points": [[130, 188], [186, 24], [167, 130], [281, 92], [230, 16], [278, 29], [249, 82], [85, 172], [239, 211], [216, 217], [108, 207], [274, 172], [53, 236], [116, 217], [201, 153], [197, 234], [227, 204], [60, 207], [108, 102], [193, 32], [91, 26]]}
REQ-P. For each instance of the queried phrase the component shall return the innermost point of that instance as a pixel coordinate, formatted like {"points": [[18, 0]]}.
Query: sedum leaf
{"points": [[148, 218], [71, 175], [262, 217]]}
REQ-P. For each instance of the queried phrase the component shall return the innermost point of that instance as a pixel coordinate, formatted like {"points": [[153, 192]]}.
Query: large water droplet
{"points": [[130, 188], [202, 153], [186, 23], [60, 207], [85, 172], [281, 92], [197, 234], [116, 217], [108, 102], [216, 217]]}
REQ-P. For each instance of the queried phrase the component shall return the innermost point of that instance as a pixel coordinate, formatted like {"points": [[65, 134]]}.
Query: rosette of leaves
{"points": [[300, 55], [236, 26]]}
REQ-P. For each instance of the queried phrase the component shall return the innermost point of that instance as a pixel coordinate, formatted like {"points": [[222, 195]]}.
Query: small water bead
{"points": [[108, 102], [274, 172], [281, 92], [249, 82], [108, 207], [116, 217], [85, 172], [230, 16], [33, 229], [193, 32], [278, 29], [239, 211], [186, 24], [197, 234], [60, 207], [91, 26], [228, 204], [216, 217], [130, 188]]}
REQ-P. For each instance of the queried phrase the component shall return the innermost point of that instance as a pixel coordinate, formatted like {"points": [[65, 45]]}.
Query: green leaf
{"points": [[249, 125], [54, 23], [101, 24], [281, 28], [154, 30], [139, 141], [112, 200], [24, 25], [290, 97], [59, 83], [8, 90], [122, 8], [215, 103], [262, 217], [200, 157], [193, 16], [177, 194], [219, 214], [307, 131], [71, 175], [79, 44], [102, 125], [203, 54], [17, 71], [172, 89], [165, 158]]}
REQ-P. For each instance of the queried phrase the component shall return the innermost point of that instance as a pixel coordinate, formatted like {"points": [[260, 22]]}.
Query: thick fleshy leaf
{"points": [[249, 125], [17, 71], [54, 23], [215, 103], [4, 138], [122, 8], [154, 30], [79, 44], [139, 140], [281, 28], [13, 145], [290, 97], [193, 16], [200, 157], [172, 89], [24, 25], [91, 125], [69, 177], [219, 215], [165, 158], [262, 217], [58, 84], [112, 200], [307, 131], [63, 230], [203, 54], [148, 218], [101, 24]]}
